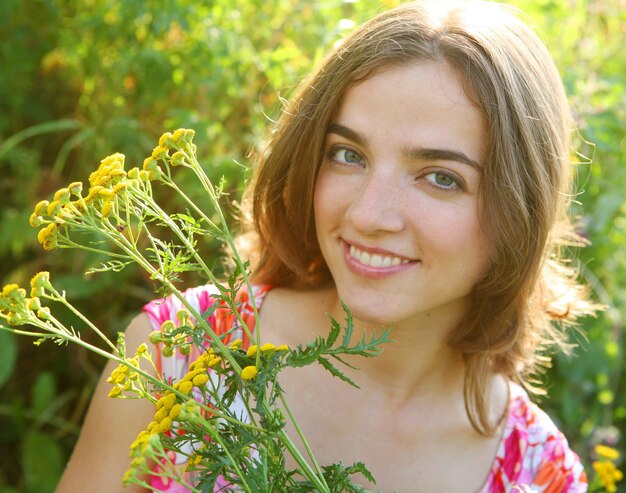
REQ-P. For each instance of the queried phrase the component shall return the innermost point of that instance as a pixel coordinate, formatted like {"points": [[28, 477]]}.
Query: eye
{"points": [[444, 181], [345, 156]]}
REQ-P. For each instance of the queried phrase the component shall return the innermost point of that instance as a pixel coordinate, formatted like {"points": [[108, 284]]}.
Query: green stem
{"points": [[302, 436], [61, 299]]}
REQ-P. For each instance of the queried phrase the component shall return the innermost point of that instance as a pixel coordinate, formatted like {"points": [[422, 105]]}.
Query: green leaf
{"points": [[42, 128], [43, 391], [8, 355], [335, 371], [43, 461]]}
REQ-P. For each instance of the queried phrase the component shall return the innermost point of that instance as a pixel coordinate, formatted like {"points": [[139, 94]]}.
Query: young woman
{"points": [[421, 176]]}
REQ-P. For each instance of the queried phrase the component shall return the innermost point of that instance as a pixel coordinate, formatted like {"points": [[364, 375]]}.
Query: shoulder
{"points": [[534, 452], [296, 316]]}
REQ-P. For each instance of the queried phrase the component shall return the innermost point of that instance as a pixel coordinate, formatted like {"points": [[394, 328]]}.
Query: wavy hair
{"points": [[524, 193]]}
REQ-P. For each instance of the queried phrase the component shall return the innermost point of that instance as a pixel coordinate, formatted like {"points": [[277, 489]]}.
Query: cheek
{"points": [[459, 238], [326, 197]]}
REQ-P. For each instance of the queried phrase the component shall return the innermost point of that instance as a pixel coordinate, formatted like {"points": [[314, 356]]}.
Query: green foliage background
{"points": [[81, 79]]}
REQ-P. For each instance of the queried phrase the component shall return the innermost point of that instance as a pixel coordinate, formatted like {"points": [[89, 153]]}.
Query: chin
{"points": [[370, 315]]}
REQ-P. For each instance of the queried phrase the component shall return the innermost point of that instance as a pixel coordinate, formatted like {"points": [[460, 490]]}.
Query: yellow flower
{"points": [[167, 401], [115, 391], [200, 380], [161, 413], [154, 174], [44, 313], [115, 161], [182, 136], [41, 280], [175, 411], [185, 387], [75, 188], [33, 304], [46, 233], [133, 173], [165, 425], [249, 372], [606, 452], [118, 375], [141, 349], [213, 361], [8, 290], [282, 347], [62, 195], [49, 243], [149, 163], [104, 180], [93, 192], [141, 440], [165, 140], [268, 347], [178, 134], [114, 173], [608, 474], [35, 221], [54, 207], [158, 152], [41, 205], [178, 159], [120, 187], [106, 192], [252, 350], [42, 235], [236, 344], [106, 208]]}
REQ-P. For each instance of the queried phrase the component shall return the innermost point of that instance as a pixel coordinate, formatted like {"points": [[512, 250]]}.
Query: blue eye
{"points": [[443, 181], [346, 156]]}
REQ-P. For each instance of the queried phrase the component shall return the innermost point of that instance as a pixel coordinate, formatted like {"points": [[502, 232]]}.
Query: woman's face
{"points": [[396, 200]]}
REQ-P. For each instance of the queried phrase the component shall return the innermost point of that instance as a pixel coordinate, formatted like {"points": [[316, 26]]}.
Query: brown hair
{"points": [[525, 186]]}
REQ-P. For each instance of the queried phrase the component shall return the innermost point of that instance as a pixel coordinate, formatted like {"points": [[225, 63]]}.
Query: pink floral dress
{"points": [[533, 455]]}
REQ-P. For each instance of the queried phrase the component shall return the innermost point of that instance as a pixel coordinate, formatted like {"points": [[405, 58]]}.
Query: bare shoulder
{"points": [[100, 457], [293, 316]]}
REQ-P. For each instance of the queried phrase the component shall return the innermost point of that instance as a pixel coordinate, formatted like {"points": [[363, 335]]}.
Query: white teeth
{"points": [[375, 260]]}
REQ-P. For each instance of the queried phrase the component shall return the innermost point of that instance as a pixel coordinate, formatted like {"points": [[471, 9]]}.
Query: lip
{"points": [[374, 272]]}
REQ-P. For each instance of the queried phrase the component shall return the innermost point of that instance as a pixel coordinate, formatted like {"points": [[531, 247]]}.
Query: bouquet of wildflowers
{"points": [[194, 416]]}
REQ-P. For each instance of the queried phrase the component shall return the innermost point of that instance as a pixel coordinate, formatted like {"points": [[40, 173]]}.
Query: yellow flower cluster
{"points": [[123, 376], [19, 309], [106, 184], [169, 406], [251, 371], [605, 468], [180, 142]]}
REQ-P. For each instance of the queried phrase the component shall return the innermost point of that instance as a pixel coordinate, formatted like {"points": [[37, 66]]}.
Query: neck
{"points": [[417, 362]]}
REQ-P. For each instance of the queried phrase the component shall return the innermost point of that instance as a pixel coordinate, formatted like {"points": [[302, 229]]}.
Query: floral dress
{"points": [[533, 455]]}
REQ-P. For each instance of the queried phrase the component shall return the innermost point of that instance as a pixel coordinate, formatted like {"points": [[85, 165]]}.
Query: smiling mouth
{"points": [[376, 259]]}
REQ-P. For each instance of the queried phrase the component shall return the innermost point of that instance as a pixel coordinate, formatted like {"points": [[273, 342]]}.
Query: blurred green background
{"points": [[81, 79]]}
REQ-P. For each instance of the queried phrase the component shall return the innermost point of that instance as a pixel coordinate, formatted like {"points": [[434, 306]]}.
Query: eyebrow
{"points": [[429, 154]]}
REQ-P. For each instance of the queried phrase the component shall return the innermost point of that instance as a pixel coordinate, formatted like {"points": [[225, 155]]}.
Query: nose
{"points": [[377, 206]]}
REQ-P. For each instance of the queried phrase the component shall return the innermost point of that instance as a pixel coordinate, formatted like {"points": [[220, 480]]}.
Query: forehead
{"points": [[422, 103]]}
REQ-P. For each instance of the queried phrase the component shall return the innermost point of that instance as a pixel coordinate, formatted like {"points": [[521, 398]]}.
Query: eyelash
{"points": [[458, 184]]}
